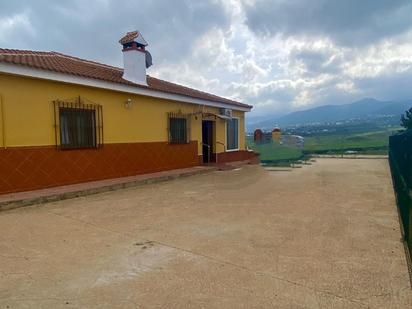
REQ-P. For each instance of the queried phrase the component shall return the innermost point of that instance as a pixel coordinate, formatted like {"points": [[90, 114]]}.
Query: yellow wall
{"points": [[28, 113], [2, 123]]}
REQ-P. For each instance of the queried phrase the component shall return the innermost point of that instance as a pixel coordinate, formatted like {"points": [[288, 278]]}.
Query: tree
{"points": [[406, 119]]}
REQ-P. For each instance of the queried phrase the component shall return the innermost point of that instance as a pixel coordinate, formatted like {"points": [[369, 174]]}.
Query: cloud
{"points": [[272, 94], [92, 28], [13, 25], [349, 22], [278, 55], [319, 57]]}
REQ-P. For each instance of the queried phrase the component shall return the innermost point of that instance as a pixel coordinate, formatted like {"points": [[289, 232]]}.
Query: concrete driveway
{"points": [[323, 236]]}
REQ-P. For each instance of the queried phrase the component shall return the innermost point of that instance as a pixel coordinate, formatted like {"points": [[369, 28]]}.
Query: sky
{"points": [[277, 55]]}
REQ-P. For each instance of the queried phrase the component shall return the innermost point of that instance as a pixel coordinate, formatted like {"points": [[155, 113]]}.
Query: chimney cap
{"points": [[133, 36]]}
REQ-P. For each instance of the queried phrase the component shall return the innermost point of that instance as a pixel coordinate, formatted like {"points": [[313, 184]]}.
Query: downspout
{"points": [[3, 125]]}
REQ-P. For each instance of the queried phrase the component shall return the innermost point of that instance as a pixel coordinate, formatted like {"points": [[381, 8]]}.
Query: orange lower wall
{"points": [[29, 168]]}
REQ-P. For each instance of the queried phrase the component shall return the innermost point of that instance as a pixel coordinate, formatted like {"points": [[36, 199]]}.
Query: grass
{"points": [[365, 142], [369, 142], [275, 152]]}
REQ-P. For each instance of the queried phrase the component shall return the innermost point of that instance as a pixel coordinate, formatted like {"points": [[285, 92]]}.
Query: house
{"points": [[66, 120]]}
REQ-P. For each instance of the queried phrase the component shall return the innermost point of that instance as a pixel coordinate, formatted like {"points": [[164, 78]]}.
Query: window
{"points": [[77, 128], [78, 125], [178, 128], [232, 134]]}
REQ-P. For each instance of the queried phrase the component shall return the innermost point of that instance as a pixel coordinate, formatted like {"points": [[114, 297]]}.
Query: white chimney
{"points": [[135, 58]]}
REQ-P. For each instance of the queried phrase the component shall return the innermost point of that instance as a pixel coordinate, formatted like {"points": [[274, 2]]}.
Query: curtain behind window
{"points": [[77, 128]]}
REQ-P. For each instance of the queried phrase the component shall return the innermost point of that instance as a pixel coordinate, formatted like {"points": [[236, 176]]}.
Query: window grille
{"points": [[179, 128], [78, 125]]}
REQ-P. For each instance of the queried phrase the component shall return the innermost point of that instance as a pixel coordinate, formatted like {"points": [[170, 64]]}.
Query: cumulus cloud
{"points": [[13, 25], [92, 28], [346, 22], [278, 55]]}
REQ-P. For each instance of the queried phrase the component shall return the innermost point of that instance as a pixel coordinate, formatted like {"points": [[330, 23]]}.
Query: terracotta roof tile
{"points": [[129, 37], [57, 62]]}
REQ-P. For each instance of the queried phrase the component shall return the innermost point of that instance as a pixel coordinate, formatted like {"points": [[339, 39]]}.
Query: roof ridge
{"points": [[11, 51]]}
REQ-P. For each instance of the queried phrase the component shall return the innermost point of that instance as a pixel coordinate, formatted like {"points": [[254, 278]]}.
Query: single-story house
{"points": [[66, 120]]}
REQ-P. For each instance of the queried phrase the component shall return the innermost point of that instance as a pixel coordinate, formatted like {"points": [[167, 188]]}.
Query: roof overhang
{"points": [[224, 117], [90, 82]]}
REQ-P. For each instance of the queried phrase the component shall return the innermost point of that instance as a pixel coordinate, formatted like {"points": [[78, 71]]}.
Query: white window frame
{"points": [[238, 135]]}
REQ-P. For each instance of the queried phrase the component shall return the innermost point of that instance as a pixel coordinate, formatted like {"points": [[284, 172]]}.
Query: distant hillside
{"points": [[366, 108]]}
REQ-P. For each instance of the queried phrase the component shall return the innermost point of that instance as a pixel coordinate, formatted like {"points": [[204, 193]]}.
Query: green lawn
{"points": [[369, 142], [275, 152], [339, 142]]}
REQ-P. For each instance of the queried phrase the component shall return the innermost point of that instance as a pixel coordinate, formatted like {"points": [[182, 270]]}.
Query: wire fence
{"points": [[400, 160]]}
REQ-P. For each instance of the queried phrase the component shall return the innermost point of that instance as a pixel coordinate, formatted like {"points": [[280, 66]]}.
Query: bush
{"points": [[406, 119]]}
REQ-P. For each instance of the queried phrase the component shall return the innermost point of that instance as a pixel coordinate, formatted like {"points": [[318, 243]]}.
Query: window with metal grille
{"points": [[179, 132], [78, 125]]}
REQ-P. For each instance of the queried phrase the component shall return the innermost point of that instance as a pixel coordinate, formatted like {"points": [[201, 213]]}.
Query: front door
{"points": [[207, 141]]}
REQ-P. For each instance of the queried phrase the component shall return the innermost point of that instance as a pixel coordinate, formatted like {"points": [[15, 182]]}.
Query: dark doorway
{"points": [[207, 140]]}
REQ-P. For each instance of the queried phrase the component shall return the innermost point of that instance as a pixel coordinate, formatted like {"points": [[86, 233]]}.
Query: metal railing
{"points": [[208, 151], [224, 149]]}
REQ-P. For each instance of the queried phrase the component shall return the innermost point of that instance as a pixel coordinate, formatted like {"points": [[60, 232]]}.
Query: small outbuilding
{"points": [[258, 136], [276, 134]]}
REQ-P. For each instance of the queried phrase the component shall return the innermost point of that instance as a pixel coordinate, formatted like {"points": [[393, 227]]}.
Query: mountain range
{"points": [[366, 108]]}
